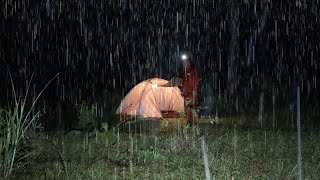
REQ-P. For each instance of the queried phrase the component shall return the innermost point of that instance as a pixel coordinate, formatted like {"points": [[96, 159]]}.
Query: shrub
{"points": [[85, 116]]}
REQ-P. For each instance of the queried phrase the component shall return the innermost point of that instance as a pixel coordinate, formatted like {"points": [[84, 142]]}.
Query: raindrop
{"points": [[261, 108], [49, 8], [177, 22], [67, 52], [111, 61]]}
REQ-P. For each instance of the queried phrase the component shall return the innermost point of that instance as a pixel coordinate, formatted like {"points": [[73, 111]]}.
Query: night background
{"points": [[251, 57]]}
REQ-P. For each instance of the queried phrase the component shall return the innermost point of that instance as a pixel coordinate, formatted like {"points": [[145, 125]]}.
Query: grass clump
{"points": [[85, 116], [174, 152], [13, 126], [15, 122]]}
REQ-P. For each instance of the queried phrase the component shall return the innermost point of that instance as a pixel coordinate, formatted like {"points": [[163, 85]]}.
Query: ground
{"points": [[168, 149]]}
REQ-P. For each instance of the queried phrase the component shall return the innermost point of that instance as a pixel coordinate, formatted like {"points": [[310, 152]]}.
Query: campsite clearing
{"points": [[172, 151]]}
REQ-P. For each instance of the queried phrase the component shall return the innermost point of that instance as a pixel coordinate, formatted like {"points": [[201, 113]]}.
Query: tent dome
{"points": [[150, 98]]}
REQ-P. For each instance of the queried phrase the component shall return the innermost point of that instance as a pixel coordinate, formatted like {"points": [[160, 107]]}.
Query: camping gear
{"points": [[173, 82], [149, 99]]}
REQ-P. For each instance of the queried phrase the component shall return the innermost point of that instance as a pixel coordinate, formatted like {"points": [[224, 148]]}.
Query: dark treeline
{"points": [[112, 45]]}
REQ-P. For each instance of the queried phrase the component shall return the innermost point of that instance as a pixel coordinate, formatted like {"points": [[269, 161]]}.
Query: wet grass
{"points": [[170, 150]]}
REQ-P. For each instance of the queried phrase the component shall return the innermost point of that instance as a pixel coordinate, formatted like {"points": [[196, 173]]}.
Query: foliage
{"points": [[164, 123], [185, 129], [14, 124], [233, 153], [107, 103], [214, 120], [85, 115], [151, 155], [104, 126], [181, 113], [187, 101]]}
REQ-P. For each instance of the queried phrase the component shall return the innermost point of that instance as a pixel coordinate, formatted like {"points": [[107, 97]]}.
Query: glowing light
{"points": [[184, 57]]}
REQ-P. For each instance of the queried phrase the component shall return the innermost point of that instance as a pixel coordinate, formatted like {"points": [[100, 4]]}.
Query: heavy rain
{"points": [[146, 89]]}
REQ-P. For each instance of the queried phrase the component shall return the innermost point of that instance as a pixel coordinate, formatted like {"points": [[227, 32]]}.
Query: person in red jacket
{"points": [[189, 88]]}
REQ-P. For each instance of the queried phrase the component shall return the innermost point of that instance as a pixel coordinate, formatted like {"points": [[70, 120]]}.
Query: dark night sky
{"points": [[113, 45]]}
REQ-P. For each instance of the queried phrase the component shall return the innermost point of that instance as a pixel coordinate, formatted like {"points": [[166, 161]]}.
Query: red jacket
{"points": [[189, 82]]}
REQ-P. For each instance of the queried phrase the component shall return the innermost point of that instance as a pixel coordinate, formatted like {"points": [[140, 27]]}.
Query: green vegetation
{"points": [[15, 125], [85, 116], [171, 150]]}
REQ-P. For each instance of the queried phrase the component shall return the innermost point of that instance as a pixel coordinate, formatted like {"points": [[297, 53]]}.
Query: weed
{"points": [[85, 116], [14, 123]]}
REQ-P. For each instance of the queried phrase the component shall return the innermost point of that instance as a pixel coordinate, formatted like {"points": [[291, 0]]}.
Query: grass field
{"points": [[168, 149]]}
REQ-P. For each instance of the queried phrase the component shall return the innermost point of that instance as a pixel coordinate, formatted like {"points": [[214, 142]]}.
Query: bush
{"points": [[85, 116]]}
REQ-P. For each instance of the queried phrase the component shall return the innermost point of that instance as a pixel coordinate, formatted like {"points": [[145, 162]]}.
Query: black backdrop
{"points": [[112, 45]]}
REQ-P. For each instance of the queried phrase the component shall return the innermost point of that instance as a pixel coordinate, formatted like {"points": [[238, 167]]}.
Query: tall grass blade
{"points": [[14, 123]]}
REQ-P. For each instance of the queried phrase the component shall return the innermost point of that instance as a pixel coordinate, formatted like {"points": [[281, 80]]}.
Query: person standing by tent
{"points": [[189, 88]]}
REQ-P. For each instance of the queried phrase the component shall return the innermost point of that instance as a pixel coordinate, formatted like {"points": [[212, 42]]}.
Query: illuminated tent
{"points": [[151, 98]]}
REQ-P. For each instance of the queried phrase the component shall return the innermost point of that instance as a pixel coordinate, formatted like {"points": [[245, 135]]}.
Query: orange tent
{"points": [[151, 98]]}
